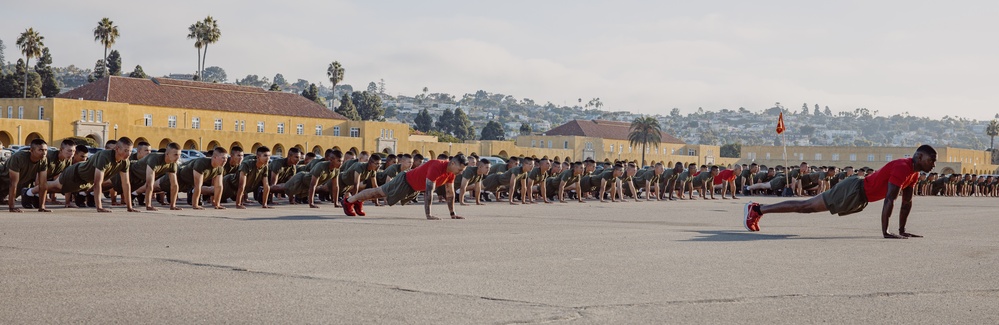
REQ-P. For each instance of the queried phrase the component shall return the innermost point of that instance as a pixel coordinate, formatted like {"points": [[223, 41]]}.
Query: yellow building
{"points": [[949, 160], [608, 141]]}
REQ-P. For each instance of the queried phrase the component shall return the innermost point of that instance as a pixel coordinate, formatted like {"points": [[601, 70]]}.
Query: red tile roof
{"points": [[199, 95], [602, 129]]}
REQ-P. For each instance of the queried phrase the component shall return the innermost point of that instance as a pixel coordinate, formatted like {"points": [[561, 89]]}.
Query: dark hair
{"points": [[365, 152], [351, 152], [514, 158], [310, 155], [173, 145], [460, 158], [926, 149], [293, 150], [328, 152], [110, 142], [714, 167], [263, 149], [485, 161], [691, 165], [618, 166], [236, 149], [375, 157], [391, 156], [68, 142], [220, 150], [142, 143], [82, 148], [125, 141], [442, 156], [37, 142], [577, 164], [336, 153], [405, 155], [418, 157]]}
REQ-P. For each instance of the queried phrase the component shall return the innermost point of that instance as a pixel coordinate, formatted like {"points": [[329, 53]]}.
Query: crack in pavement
{"points": [[571, 313]]}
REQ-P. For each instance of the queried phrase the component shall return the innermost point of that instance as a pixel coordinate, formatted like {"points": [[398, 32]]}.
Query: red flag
{"points": [[780, 123]]}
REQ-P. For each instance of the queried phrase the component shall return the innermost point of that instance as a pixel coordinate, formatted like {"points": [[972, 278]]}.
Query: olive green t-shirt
{"points": [[347, 164], [347, 177], [566, 176], [794, 174], [254, 175], [646, 175], [471, 173], [156, 160], [299, 184], [102, 160], [498, 169], [536, 176], [55, 166], [284, 172], [812, 179], [390, 171], [20, 162], [704, 176], [185, 177]]}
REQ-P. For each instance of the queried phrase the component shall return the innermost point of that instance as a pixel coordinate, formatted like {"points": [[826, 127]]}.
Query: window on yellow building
{"points": [[319, 129], [691, 152], [300, 129], [818, 156], [100, 116], [83, 114], [835, 157], [218, 124], [612, 148], [147, 120], [90, 115], [10, 113], [171, 121], [355, 132], [534, 143], [260, 127], [336, 131], [280, 128], [41, 112], [242, 126], [853, 157], [195, 122], [20, 112], [565, 145], [888, 157], [870, 157]]}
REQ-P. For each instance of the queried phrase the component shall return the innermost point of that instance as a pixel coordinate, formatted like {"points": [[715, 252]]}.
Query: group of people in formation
{"points": [[349, 179]]}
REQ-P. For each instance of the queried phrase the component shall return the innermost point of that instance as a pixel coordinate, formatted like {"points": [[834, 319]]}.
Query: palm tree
{"points": [[335, 73], [210, 34], [194, 32], [106, 33], [992, 131], [31, 44], [645, 131]]}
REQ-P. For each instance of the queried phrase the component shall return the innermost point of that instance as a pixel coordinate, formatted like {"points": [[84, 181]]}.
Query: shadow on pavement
{"points": [[733, 236]]}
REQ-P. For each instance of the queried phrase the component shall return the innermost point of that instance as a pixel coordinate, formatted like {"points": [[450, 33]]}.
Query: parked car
{"points": [[495, 160]]}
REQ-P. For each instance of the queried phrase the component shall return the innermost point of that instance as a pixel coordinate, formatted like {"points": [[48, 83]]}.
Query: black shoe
{"points": [[80, 200], [90, 201], [189, 199], [28, 202], [141, 198]]}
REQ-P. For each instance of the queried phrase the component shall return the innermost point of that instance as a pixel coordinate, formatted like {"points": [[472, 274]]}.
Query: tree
{"points": [[335, 73], [461, 126], [279, 80], [210, 35], [424, 122], [731, 150], [807, 130], [106, 33], [445, 121], [675, 112], [381, 86], [372, 87], [114, 65], [525, 129], [369, 105], [196, 32], [31, 44], [2, 59], [493, 131], [50, 85], [275, 87], [138, 73], [645, 131], [992, 131], [98, 72], [347, 108], [214, 74], [816, 112], [827, 111], [33, 82], [300, 84], [312, 93], [391, 112], [10, 86]]}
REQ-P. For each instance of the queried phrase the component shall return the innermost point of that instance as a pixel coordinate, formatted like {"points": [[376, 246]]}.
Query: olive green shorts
{"points": [[846, 197], [398, 190]]}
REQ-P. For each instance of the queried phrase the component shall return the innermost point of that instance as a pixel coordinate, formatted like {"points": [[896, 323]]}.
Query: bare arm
{"points": [[15, 178], [150, 188], [126, 187], [427, 198], [98, 182], [312, 192], [903, 214], [42, 180], [241, 190], [196, 200], [887, 209]]}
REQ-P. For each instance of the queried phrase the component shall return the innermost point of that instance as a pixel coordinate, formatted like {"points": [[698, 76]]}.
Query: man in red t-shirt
{"points": [[408, 184], [726, 180], [851, 195]]}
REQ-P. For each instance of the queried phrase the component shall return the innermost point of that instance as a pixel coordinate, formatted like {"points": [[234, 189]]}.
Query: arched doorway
{"points": [[317, 150], [300, 148], [503, 154], [354, 149], [5, 139], [32, 136], [556, 158], [473, 154], [97, 139], [387, 151], [277, 150], [431, 155], [337, 148], [256, 145], [164, 143], [415, 152], [191, 144], [140, 140], [237, 144], [212, 144]]}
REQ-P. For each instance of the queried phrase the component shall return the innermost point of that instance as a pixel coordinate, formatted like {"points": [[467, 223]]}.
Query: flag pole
{"points": [[784, 142]]}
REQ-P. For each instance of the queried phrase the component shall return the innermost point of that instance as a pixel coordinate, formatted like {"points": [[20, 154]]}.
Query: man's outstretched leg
{"points": [[754, 211]]}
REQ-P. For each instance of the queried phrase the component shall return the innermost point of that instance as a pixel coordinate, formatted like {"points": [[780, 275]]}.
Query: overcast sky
{"points": [[928, 58]]}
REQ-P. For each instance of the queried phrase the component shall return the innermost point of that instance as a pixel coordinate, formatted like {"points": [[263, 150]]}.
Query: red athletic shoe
{"points": [[348, 208], [751, 217], [359, 208]]}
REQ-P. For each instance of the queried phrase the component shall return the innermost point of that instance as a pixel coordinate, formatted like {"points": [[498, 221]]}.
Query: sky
{"points": [[927, 58]]}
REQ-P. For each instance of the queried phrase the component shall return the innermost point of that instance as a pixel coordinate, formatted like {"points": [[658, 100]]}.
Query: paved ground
{"points": [[669, 262]]}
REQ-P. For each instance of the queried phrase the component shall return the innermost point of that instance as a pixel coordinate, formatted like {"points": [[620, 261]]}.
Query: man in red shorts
{"points": [[726, 181], [851, 195], [408, 184]]}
